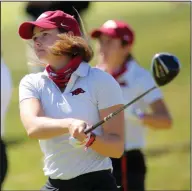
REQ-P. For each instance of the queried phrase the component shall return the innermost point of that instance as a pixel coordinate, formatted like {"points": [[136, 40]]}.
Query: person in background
{"points": [[59, 104], [6, 92], [115, 43], [34, 9]]}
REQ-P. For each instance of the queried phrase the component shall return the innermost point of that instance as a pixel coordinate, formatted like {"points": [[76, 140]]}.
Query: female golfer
{"points": [[115, 42], [57, 105]]}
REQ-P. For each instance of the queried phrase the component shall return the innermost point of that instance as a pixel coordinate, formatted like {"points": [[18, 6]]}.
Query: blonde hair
{"points": [[72, 46]]}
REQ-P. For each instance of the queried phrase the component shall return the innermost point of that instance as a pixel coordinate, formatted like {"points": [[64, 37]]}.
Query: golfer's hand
{"points": [[77, 129]]}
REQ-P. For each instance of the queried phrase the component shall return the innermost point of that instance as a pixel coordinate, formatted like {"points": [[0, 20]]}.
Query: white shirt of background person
{"points": [[137, 80], [6, 92]]}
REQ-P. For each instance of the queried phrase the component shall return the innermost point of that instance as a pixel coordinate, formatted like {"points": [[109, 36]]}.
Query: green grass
{"points": [[159, 27]]}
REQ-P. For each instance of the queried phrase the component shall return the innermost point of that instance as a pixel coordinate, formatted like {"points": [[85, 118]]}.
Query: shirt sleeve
{"points": [[28, 89], [6, 88], [146, 83], [6, 93], [108, 92]]}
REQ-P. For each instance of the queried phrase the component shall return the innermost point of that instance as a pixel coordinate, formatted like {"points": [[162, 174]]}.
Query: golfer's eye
{"points": [[34, 38], [45, 34], [101, 42]]}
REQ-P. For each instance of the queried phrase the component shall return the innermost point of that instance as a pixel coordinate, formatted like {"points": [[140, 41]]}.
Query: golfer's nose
{"points": [[38, 43]]}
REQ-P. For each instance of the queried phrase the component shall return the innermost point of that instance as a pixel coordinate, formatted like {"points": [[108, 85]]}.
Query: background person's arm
{"points": [[159, 117]]}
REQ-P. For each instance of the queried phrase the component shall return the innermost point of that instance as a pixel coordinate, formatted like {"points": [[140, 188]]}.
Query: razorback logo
{"points": [[77, 91]]}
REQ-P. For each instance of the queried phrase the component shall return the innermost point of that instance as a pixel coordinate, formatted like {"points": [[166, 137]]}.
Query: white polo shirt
{"points": [[100, 91], [6, 92], [137, 80]]}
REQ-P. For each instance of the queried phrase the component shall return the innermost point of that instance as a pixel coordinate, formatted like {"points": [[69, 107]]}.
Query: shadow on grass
{"points": [[16, 141], [150, 152], [163, 150]]}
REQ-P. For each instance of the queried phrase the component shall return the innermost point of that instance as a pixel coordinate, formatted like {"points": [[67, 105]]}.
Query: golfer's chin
{"points": [[107, 59], [42, 57], [41, 54], [104, 60]]}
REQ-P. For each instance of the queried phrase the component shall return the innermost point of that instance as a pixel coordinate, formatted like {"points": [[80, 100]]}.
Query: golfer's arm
{"points": [[159, 118], [46, 128], [111, 143], [38, 126]]}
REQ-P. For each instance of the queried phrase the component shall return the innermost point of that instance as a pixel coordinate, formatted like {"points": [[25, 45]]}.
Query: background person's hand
{"points": [[135, 115]]}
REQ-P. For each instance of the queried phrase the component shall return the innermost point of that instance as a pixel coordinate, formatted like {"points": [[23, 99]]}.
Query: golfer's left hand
{"points": [[77, 129]]}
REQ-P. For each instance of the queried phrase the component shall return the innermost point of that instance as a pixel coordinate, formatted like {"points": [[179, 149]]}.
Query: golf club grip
{"points": [[118, 111]]}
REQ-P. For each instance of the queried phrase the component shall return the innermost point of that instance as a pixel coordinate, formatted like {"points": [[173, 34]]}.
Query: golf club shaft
{"points": [[118, 111]]}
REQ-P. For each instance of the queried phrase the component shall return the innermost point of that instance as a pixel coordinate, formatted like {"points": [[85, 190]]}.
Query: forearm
{"points": [[157, 121], [109, 145], [46, 128]]}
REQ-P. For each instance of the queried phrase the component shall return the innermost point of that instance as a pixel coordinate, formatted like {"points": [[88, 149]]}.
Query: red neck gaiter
{"points": [[116, 74], [119, 72], [62, 76]]}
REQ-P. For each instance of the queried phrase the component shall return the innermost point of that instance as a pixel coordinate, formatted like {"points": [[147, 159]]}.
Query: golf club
{"points": [[164, 67]]}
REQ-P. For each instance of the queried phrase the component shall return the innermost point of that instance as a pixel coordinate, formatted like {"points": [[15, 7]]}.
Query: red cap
{"points": [[115, 29], [50, 20]]}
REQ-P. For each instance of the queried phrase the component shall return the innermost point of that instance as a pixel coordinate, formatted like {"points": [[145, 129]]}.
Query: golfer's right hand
{"points": [[77, 129]]}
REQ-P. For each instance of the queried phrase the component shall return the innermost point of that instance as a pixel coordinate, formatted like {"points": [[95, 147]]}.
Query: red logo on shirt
{"points": [[77, 91]]}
